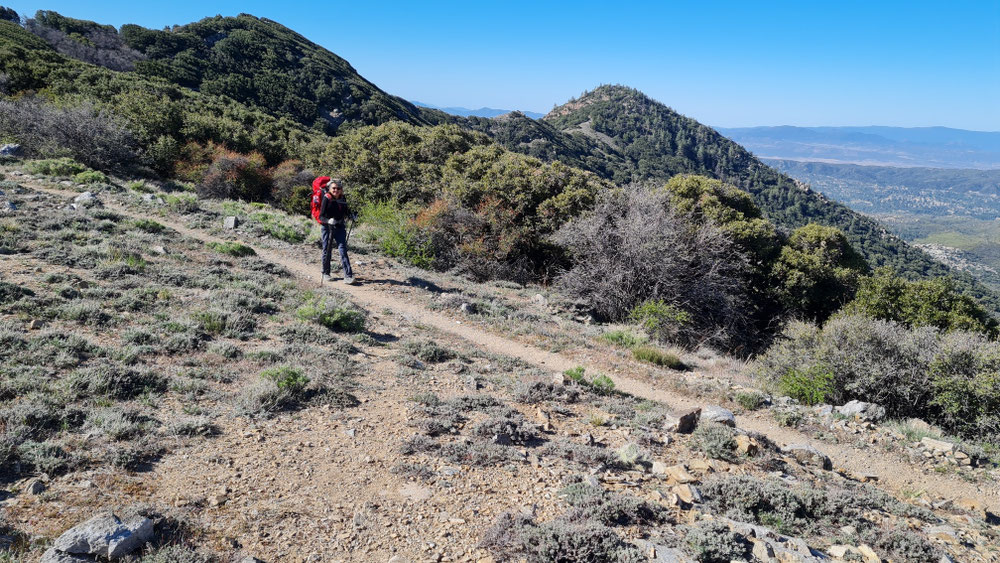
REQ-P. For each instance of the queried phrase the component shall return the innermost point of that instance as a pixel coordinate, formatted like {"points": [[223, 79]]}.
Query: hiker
{"points": [[333, 215]]}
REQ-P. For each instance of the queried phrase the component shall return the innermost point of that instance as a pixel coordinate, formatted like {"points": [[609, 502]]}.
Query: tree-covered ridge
{"points": [[261, 62], [161, 115], [540, 139], [657, 143]]}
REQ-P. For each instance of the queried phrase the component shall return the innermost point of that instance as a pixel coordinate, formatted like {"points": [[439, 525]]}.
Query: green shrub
{"points": [[811, 386], [64, 167], [576, 374], [623, 338], [90, 177], [658, 357], [428, 351], [286, 378], [948, 379], [114, 382], [140, 186], [602, 385], [147, 225], [716, 440], [182, 203], [804, 510], [282, 228], [817, 271], [937, 303], [751, 400], [334, 314], [609, 508], [660, 319], [713, 542], [790, 418], [86, 313], [965, 376], [392, 228], [232, 248], [45, 457], [212, 321], [515, 536]]}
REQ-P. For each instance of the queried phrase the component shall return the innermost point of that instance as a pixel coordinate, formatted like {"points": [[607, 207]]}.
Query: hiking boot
{"points": [[326, 277], [349, 280]]}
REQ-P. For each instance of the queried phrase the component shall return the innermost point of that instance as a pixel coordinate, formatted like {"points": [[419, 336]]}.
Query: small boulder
{"points": [[937, 446], [87, 199], [540, 299], [35, 487], [808, 455], [7, 207], [10, 149], [679, 474], [683, 424], [230, 222], [718, 415], [861, 410], [107, 536], [745, 445], [687, 493]]}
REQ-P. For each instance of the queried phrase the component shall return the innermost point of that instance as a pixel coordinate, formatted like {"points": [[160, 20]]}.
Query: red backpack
{"points": [[317, 200]]}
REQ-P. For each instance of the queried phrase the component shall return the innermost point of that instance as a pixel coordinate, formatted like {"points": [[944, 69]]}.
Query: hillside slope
{"points": [[259, 61], [417, 434], [656, 143], [255, 61]]}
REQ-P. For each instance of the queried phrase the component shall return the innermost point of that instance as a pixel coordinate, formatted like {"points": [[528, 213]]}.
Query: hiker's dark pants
{"points": [[336, 234]]}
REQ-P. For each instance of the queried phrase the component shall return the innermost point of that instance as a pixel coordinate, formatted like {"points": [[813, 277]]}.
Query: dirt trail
{"points": [[892, 472]]}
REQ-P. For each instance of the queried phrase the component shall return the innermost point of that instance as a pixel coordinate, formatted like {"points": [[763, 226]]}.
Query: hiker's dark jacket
{"points": [[335, 209]]}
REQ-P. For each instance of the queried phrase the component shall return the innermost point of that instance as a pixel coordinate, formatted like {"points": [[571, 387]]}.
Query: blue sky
{"points": [[729, 64]]}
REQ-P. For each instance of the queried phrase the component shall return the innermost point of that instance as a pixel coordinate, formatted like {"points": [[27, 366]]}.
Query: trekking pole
{"points": [[349, 229]]}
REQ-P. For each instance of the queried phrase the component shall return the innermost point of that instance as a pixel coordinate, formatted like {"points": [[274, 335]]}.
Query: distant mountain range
{"points": [[481, 112], [930, 147]]}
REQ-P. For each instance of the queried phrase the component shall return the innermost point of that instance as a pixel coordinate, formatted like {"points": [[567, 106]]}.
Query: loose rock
{"points": [[683, 424], [862, 411], [808, 455], [106, 536], [718, 415]]}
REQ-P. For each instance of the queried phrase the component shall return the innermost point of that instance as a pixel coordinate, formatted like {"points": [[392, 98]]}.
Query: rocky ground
{"points": [[235, 404]]}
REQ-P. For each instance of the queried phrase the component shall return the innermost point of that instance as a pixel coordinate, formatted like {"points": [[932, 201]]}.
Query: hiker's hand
{"points": [[331, 221], [354, 216]]}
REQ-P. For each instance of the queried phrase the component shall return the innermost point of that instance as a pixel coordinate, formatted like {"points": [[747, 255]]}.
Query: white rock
{"points": [[718, 415], [106, 536]]}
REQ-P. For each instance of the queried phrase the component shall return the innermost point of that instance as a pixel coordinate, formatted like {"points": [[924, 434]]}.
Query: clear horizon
{"points": [[913, 64]]}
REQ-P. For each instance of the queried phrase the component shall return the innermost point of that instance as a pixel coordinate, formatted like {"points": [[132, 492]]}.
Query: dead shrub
{"points": [[634, 248], [91, 135]]}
